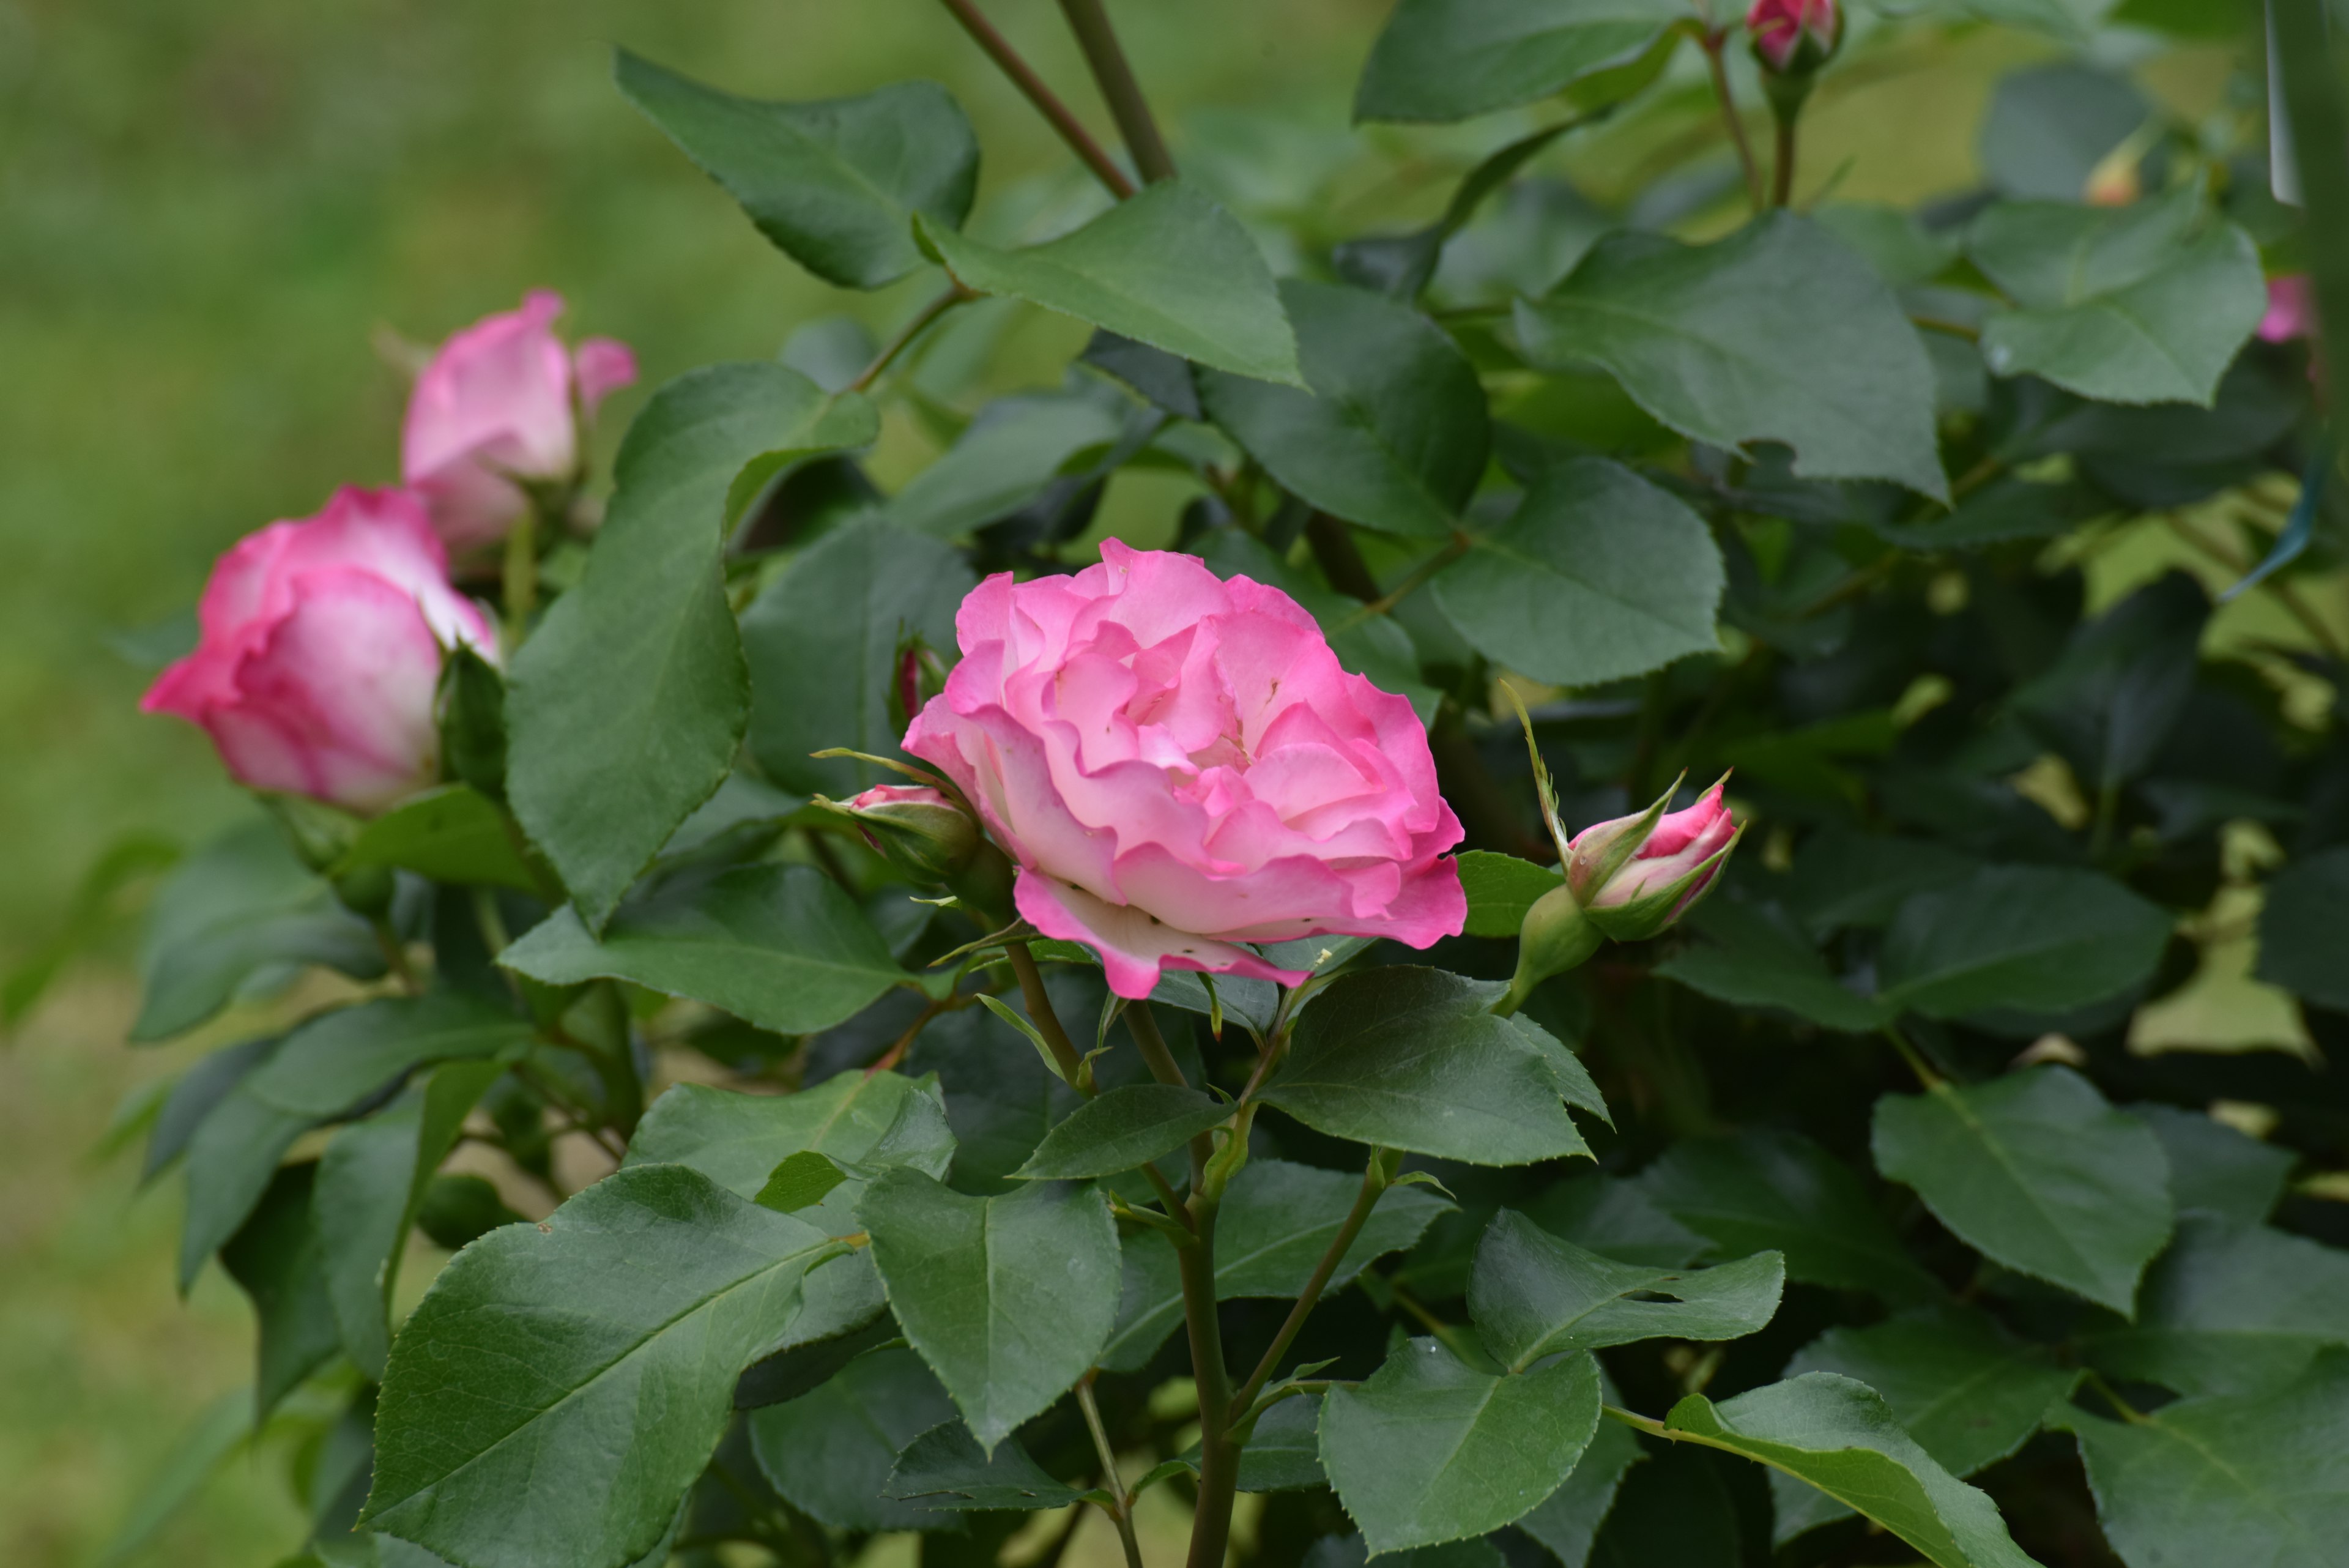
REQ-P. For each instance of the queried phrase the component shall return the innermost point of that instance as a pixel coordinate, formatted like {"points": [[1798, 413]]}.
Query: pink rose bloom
{"points": [[320, 652], [502, 400], [1795, 35], [1178, 764], [2291, 309]]}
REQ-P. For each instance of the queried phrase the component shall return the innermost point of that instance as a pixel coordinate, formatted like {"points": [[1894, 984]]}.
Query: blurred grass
{"points": [[206, 211]]}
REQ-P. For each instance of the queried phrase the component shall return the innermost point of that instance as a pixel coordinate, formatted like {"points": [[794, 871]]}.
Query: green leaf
{"points": [[830, 1452], [1277, 1222], [822, 640], [1284, 1453], [275, 1258], [737, 1140], [1125, 1128], [243, 909], [2034, 1170], [1597, 575], [801, 1181], [834, 182], [337, 1059], [1349, 1551], [1751, 955], [2029, 939], [630, 1311], [1838, 1436], [1779, 1191], [194, 1098], [1169, 268], [1970, 1393], [1392, 433], [1615, 1217], [2304, 929], [1534, 1295], [2112, 699], [1714, 341], [806, 1362], [2118, 303], [232, 1156], [1430, 1449], [782, 947], [1501, 889], [2215, 1167], [455, 833], [1844, 879], [1008, 1299], [2230, 1309], [945, 1469], [627, 705], [2228, 1480], [1002, 462], [1567, 1521], [1449, 60], [1409, 1059]]}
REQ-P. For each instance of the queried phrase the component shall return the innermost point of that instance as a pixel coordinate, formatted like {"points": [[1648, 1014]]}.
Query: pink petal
{"points": [[603, 366], [1133, 946]]}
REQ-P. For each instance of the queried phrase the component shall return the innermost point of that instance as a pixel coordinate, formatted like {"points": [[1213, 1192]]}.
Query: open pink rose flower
{"points": [[320, 652], [501, 401], [1178, 764]]}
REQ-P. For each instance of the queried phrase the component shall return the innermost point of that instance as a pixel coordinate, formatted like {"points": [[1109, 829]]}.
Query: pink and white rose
{"points": [[1672, 865], [1178, 764], [320, 652], [500, 405]]}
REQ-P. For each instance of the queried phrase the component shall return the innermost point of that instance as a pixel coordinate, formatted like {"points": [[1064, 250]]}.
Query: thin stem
{"points": [[2100, 835], [1219, 1457], [1374, 1182], [1048, 103], [1122, 1513], [1459, 545], [1914, 1057], [1040, 1010], [395, 957], [2128, 1412], [1089, 21], [954, 295], [1714, 44], [1142, 1025], [520, 580], [1637, 1422], [1782, 172], [1946, 327], [896, 1053]]}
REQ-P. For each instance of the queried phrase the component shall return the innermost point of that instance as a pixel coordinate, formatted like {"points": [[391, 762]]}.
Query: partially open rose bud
{"points": [[1795, 38], [915, 828], [1634, 875]]}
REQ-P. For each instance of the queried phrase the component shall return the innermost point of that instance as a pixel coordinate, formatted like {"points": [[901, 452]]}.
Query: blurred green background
{"points": [[208, 215]]}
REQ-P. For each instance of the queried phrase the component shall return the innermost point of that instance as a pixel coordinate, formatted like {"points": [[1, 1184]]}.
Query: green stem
{"points": [[395, 957], [954, 295], [1219, 1457], [1782, 174], [1046, 103], [1040, 1010], [1926, 1075], [521, 577], [1374, 1182], [1714, 44], [1122, 1511], [1340, 558], [2100, 833], [1458, 545], [1089, 21]]}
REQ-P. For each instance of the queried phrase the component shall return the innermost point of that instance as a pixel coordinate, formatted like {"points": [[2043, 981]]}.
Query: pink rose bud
{"points": [[1636, 874], [1179, 764], [2291, 309], [915, 828], [320, 652], [1795, 38], [499, 408]]}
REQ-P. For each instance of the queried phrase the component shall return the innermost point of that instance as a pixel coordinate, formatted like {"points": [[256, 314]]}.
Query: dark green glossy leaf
{"points": [[1712, 341], [1534, 1295], [1008, 1299], [629, 1311], [822, 640], [2230, 1308], [361, 1203], [801, 1181], [1277, 1222], [738, 1140], [2036, 1171], [1349, 1551], [1169, 268], [627, 705], [1449, 60], [1392, 433], [1751, 955], [455, 833], [231, 1158], [2304, 929], [1615, 1217], [834, 184], [1775, 1190], [2215, 1167], [1968, 1393], [1284, 1453], [1430, 1449], [806, 1366], [782, 947], [1567, 1521], [337, 1059], [1838, 1436], [831, 1451], [1845, 878], [1598, 575], [2029, 939], [1409, 1058], [945, 1470], [1125, 1128], [1501, 889], [193, 1098], [2262, 1480], [1000, 463], [274, 1257]]}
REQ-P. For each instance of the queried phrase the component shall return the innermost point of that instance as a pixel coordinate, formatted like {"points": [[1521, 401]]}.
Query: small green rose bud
{"points": [[915, 828]]}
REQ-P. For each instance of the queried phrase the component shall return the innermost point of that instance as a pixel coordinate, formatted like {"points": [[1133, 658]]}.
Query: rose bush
{"points": [[982, 1017]]}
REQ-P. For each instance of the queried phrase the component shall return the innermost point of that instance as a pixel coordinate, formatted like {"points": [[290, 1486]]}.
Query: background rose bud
{"points": [[320, 651], [1179, 763], [915, 828], [1633, 884], [2291, 309], [501, 401], [1795, 37]]}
